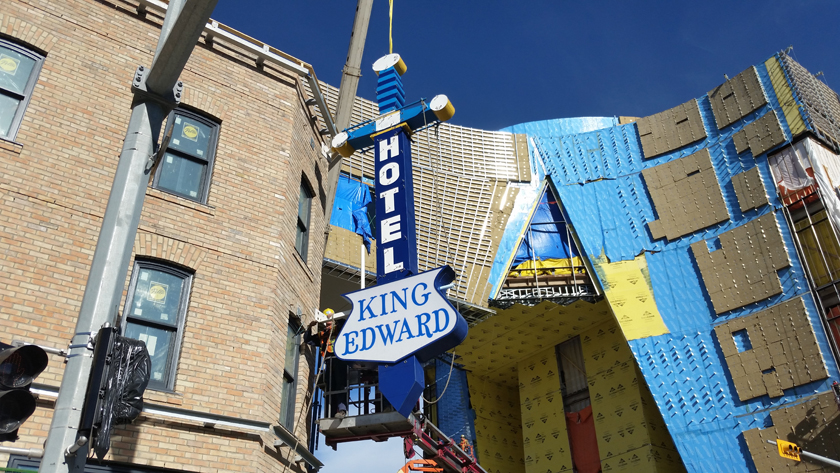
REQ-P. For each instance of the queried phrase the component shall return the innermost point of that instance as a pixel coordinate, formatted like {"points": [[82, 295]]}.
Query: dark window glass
{"points": [[19, 68], [288, 395], [304, 208], [155, 310], [186, 167]]}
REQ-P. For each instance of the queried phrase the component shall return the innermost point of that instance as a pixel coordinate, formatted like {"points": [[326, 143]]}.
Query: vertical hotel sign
{"points": [[397, 245]]}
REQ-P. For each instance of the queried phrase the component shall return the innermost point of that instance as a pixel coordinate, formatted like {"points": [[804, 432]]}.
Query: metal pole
{"points": [[106, 279], [347, 93], [105, 283], [27, 452], [814, 456]]}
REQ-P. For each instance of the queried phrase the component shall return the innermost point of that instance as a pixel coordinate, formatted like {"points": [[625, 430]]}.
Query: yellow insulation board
{"points": [[544, 436], [631, 433], [498, 425], [614, 391], [548, 267], [628, 290], [785, 96]]}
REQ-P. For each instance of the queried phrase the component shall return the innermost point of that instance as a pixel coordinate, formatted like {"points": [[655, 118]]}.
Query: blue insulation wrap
{"points": [[562, 126], [350, 208], [530, 192], [455, 417], [548, 238], [597, 176]]}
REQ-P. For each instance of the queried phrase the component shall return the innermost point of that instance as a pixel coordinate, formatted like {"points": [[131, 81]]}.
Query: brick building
{"points": [[227, 257]]}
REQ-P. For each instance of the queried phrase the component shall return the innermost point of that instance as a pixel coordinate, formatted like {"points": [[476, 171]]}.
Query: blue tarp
{"points": [[350, 208], [546, 240]]}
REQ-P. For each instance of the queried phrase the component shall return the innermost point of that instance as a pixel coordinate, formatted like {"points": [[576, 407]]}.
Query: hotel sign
{"points": [[396, 243], [410, 316]]}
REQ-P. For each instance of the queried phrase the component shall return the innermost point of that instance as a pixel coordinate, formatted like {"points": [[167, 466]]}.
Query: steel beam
{"points": [[347, 94], [182, 27]]}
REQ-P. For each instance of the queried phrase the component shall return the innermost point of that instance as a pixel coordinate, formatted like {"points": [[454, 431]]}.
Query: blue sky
{"points": [[503, 62]]}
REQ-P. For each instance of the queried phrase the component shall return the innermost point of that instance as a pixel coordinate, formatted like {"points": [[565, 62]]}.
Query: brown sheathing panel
{"points": [[345, 246], [736, 98], [761, 135], [784, 351], [743, 271], [749, 189], [821, 104], [523, 161], [626, 120], [813, 425], [686, 196], [671, 129]]}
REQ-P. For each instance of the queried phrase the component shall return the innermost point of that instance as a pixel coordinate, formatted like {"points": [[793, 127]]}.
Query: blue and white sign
{"points": [[411, 316], [396, 242], [406, 318]]}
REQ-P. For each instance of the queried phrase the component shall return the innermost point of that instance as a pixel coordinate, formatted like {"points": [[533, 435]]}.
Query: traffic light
{"points": [[18, 367], [120, 374], [788, 450]]}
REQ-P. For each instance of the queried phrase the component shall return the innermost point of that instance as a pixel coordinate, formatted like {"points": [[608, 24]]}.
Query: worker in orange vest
{"points": [[466, 447]]}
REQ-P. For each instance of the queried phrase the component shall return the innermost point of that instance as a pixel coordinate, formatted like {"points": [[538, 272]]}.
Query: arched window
{"points": [[19, 69], [155, 309]]}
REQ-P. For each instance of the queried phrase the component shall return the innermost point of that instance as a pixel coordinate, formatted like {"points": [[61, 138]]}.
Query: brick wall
{"points": [[54, 184]]}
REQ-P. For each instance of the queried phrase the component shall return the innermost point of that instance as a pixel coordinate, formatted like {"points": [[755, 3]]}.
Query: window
{"points": [[288, 395], [187, 164], [155, 310], [304, 208], [19, 68]]}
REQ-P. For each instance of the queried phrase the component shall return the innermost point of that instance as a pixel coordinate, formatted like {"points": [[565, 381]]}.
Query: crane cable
{"points": [[391, 27], [451, 366]]}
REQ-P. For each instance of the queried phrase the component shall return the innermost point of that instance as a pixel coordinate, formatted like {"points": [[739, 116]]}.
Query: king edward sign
{"points": [[411, 316], [406, 318]]}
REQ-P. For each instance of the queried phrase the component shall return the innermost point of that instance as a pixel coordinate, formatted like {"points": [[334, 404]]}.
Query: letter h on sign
{"points": [[396, 248]]}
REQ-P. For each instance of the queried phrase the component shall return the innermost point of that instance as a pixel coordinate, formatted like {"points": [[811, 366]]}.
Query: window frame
{"points": [[288, 394], [212, 147], [303, 229], [39, 58], [173, 357]]}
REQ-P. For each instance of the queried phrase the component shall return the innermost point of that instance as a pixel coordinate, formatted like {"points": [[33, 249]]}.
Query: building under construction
{"points": [[643, 294]]}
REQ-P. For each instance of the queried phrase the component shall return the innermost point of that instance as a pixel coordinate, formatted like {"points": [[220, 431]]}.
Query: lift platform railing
{"points": [[439, 447], [353, 387]]}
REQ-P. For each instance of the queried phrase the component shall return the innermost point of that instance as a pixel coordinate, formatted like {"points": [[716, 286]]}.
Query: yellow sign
{"points": [[157, 292], [788, 450], [629, 293], [190, 132], [8, 64]]}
